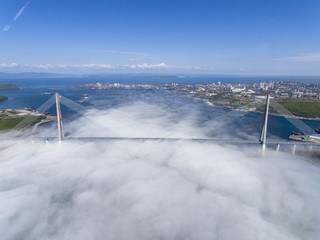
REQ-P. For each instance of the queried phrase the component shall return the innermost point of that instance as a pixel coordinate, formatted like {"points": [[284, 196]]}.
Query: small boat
{"points": [[46, 113], [80, 101], [29, 108], [317, 130], [47, 93], [317, 137], [85, 95]]}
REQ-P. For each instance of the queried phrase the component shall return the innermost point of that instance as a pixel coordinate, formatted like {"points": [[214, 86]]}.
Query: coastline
{"points": [[46, 120], [22, 119]]}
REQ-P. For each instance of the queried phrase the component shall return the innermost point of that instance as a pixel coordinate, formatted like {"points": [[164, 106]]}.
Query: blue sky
{"points": [[186, 36]]}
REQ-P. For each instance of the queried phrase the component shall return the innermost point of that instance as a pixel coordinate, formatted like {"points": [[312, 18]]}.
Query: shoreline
{"points": [[46, 120], [22, 118]]}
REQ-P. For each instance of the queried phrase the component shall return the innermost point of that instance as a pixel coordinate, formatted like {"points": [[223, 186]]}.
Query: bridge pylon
{"points": [[263, 136], [59, 119]]}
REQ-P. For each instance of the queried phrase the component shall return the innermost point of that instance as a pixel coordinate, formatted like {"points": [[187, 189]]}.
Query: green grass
{"points": [[12, 123], [303, 108], [221, 97], [6, 87]]}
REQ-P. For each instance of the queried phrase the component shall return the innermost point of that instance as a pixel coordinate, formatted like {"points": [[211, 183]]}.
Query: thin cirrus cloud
{"points": [[132, 56], [15, 18], [126, 53], [20, 12], [134, 59], [305, 57], [6, 28]]}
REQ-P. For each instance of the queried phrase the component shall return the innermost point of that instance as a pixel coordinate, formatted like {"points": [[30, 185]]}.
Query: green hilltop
{"points": [[3, 98], [6, 87]]}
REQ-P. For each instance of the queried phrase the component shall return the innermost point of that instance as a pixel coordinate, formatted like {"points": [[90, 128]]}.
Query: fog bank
{"points": [[153, 189]]}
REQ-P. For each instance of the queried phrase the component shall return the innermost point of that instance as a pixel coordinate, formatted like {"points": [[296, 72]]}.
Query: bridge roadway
{"points": [[231, 141]]}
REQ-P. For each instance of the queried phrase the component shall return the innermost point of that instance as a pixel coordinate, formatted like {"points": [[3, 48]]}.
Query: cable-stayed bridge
{"points": [[218, 122]]}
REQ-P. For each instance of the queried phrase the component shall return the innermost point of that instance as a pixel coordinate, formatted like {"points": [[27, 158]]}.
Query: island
{"points": [[8, 87], [3, 98]]}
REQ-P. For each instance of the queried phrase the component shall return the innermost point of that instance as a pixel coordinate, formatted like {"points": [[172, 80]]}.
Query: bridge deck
{"points": [[231, 141]]}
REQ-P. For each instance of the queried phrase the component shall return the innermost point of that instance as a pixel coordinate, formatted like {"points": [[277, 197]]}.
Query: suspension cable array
{"points": [[218, 122]]}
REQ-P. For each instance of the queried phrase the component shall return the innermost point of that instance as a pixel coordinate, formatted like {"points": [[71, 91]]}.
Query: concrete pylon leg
{"points": [[59, 119], [294, 149], [263, 149]]}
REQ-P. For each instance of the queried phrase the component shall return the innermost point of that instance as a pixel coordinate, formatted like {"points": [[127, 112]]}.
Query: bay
{"points": [[34, 92]]}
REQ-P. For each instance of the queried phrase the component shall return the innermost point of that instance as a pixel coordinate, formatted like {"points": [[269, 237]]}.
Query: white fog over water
{"points": [[152, 189], [162, 108]]}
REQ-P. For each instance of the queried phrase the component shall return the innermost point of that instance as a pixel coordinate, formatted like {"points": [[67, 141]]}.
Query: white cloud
{"points": [[165, 66], [5, 65], [102, 66], [148, 66], [6, 28], [40, 66], [85, 65], [96, 66], [20, 12], [305, 57]]}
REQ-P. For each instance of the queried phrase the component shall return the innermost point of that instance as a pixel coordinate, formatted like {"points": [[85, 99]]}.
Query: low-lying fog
{"points": [[153, 189]]}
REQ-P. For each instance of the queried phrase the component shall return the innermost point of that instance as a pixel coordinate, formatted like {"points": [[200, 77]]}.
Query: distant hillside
{"points": [[6, 87], [4, 75]]}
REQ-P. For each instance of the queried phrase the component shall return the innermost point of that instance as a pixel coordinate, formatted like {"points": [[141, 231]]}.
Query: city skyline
{"points": [[210, 37]]}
